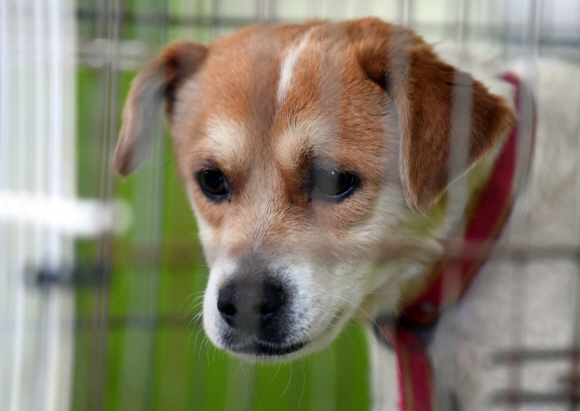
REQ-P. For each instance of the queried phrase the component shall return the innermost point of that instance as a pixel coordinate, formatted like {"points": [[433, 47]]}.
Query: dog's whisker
{"points": [[204, 342], [195, 305], [347, 333], [303, 381], [196, 319], [288, 383], [276, 374], [196, 295], [189, 343], [240, 366]]}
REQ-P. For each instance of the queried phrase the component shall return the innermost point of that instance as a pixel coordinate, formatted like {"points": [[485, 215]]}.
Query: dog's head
{"points": [[302, 149]]}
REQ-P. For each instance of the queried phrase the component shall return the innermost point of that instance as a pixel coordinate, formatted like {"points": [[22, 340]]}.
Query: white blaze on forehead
{"points": [[287, 68]]}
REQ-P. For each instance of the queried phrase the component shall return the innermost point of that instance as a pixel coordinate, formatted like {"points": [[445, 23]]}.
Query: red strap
{"points": [[487, 221], [451, 279], [414, 369]]}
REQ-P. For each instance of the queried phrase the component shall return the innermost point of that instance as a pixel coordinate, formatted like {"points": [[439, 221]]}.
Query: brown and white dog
{"points": [[317, 158]]}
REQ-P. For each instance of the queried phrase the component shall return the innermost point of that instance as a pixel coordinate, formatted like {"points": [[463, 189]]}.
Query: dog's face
{"points": [[304, 149]]}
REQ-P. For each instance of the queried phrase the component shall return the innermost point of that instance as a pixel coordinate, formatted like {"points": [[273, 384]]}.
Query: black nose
{"points": [[254, 307]]}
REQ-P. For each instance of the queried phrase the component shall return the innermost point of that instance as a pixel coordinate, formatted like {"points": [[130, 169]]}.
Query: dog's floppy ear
{"points": [[439, 108], [156, 83]]}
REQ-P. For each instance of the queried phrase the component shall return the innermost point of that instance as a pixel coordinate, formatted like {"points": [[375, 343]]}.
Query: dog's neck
{"points": [[423, 240], [403, 273]]}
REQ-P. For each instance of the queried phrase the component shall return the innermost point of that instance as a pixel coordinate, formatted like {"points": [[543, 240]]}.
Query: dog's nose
{"points": [[252, 306]]}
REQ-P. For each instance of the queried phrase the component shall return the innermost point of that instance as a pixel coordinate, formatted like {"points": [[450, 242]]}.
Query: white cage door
{"points": [[37, 181]]}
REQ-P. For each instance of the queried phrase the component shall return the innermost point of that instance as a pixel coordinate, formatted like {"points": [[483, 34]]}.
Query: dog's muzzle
{"points": [[256, 313]]}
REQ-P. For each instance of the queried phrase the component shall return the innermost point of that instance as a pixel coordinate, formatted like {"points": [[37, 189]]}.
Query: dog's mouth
{"points": [[262, 349], [268, 350]]}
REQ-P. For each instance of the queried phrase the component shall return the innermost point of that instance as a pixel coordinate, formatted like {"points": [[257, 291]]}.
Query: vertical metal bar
{"points": [[576, 325], [530, 48], [4, 59], [110, 27], [95, 367], [56, 148], [520, 219], [457, 194], [216, 13], [41, 146], [575, 363], [18, 341], [46, 327], [157, 187], [463, 27], [407, 13], [52, 354], [460, 130], [4, 265], [514, 372], [576, 329], [260, 10], [40, 235], [265, 10], [272, 11]]}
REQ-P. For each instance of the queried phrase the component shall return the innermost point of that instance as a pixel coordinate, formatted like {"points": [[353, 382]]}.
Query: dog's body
{"points": [[317, 158], [526, 303]]}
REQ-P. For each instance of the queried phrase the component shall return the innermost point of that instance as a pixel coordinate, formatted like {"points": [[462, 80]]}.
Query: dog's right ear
{"points": [[437, 105], [156, 83]]}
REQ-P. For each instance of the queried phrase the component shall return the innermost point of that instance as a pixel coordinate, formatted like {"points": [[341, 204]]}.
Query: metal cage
{"points": [[101, 278]]}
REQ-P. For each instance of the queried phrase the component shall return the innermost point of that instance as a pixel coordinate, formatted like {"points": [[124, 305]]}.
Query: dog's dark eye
{"points": [[214, 184], [333, 184]]}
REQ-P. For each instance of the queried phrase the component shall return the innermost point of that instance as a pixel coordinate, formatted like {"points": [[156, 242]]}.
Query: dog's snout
{"points": [[252, 306]]}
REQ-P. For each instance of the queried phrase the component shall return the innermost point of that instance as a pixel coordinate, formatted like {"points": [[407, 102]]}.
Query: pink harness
{"points": [[416, 388]]}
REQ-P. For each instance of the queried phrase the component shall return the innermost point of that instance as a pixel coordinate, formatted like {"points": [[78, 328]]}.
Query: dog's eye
{"points": [[214, 184], [333, 184]]}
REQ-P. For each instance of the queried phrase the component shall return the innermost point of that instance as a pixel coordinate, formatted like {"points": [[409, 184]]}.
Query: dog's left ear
{"points": [[155, 84], [438, 108]]}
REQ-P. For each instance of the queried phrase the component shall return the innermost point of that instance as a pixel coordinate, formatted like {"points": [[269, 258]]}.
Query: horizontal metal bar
{"points": [[141, 322], [161, 19], [514, 397], [83, 275], [209, 21], [523, 355], [458, 251], [129, 55], [181, 255]]}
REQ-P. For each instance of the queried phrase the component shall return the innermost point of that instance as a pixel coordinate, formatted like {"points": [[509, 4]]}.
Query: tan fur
{"points": [[363, 96]]}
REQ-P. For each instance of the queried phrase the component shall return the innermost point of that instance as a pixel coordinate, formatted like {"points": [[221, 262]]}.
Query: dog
{"points": [[330, 167]]}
